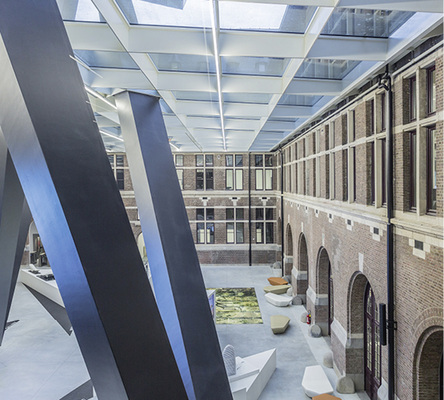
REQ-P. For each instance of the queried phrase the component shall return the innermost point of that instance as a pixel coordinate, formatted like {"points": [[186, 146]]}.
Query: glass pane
{"points": [[80, 10], [230, 232], [209, 160], [269, 214], [200, 233], [298, 100], [269, 232], [229, 179], [111, 160], [180, 178], [269, 179], [259, 232], [209, 179], [119, 161], [199, 160], [210, 233], [265, 66], [259, 179], [229, 160], [264, 17], [196, 96], [183, 63], [259, 213], [229, 213], [239, 232], [106, 59], [191, 13], [325, 69], [239, 179], [210, 214], [259, 98], [200, 214], [239, 213], [120, 176], [355, 22], [239, 160], [268, 160], [179, 160], [199, 179], [258, 160]]}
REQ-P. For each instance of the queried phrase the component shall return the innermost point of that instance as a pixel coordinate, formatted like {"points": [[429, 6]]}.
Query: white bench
{"points": [[278, 300], [315, 382]]}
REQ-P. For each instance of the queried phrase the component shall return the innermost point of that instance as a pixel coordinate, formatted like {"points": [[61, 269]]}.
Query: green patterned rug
{"points": [[237, 306]]}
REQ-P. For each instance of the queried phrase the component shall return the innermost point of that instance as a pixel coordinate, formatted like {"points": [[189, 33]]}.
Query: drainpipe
{"points": [[281, 153], [250, 255], [386, 83]]}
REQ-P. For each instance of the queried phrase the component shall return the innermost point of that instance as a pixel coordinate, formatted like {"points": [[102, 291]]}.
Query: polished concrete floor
{"points": [[39, 361]]}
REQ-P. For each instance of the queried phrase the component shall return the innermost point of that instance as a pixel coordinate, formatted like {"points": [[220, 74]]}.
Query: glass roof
{"points": [[106, 59], [80, 10], [195, 96], [258, 98], [265, 66], [184, 63], [356, 22], [325, 69], [298, 100]]}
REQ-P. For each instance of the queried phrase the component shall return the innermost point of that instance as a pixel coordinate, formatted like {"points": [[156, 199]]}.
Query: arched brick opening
{"points": [[279, 238], [288, 250], [321, 314], [354, 351], [299, 278], [428, 380]]}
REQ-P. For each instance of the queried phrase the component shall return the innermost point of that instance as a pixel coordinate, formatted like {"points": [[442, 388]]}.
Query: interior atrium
{"points": [[247, 139]]}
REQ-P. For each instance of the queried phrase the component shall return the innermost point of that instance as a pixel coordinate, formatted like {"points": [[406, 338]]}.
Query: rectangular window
{"points": [[269, 179], [209, 179], [239, 232], [111, 160], [200, 214], [383, 176], [210, 214], [230, 232], [259, 213], [431, 170], [372, 172], [179, 160], [210, 233], [229, 179], [200, 232], [413, 157], [333, 163], [372, 117], [229, 213], [383, 111], [180, 177], [119, 161], [259, 232], [431, 90], [269, 214], [259, 160], [239, 179], [208, 160], [229, 160], [199, 179], [199, 160], [239, 213], [353, 125], [412, 99], [268, 160], [354, 172], [259, 179], [269, 237], [345, 183], [120, 178], [239, 160]]}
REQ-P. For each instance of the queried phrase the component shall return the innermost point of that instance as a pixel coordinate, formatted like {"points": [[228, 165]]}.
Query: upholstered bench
{"points": [[277, 281], [279, 289], [278, 300], [279, 323], [315, 382]]}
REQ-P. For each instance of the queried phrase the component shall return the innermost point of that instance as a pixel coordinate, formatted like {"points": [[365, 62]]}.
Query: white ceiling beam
{"points": [[324, 87], [246, 124], [431, 6], [349, 48], [261, 44], [197, 107], [291, 111], [90, 36], [251, 84], [186, 81], [123, 78], [245, 110], [307, 3], [199, 122]]}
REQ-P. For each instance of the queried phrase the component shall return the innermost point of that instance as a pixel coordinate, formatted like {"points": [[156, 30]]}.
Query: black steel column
{"points": [[177, 278], [65, 174], [14, 224]]}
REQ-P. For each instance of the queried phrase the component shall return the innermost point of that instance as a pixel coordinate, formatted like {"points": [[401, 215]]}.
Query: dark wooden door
{"points": [[372, 356]]}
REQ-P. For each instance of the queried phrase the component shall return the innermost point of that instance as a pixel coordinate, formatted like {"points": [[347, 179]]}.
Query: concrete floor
{"points": [[39, 361]]}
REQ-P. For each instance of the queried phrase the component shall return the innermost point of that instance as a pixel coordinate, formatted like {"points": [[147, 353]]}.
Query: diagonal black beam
{"points": [[175, 268], [14, 224], [65, 174]]}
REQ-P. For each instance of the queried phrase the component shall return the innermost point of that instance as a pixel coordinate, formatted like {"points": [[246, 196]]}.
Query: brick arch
{"points": [[302, 253], [427, 364], [279, 237], [322, 304], [299, 277], [288, 249], [322, 271]]}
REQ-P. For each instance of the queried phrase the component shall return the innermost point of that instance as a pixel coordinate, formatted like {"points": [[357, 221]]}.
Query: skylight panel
{"points": [[298, 100], [193, 14], [326, 69], [106, 59], [263, 66], [183, 63], [258, 98], [86, 11]]}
